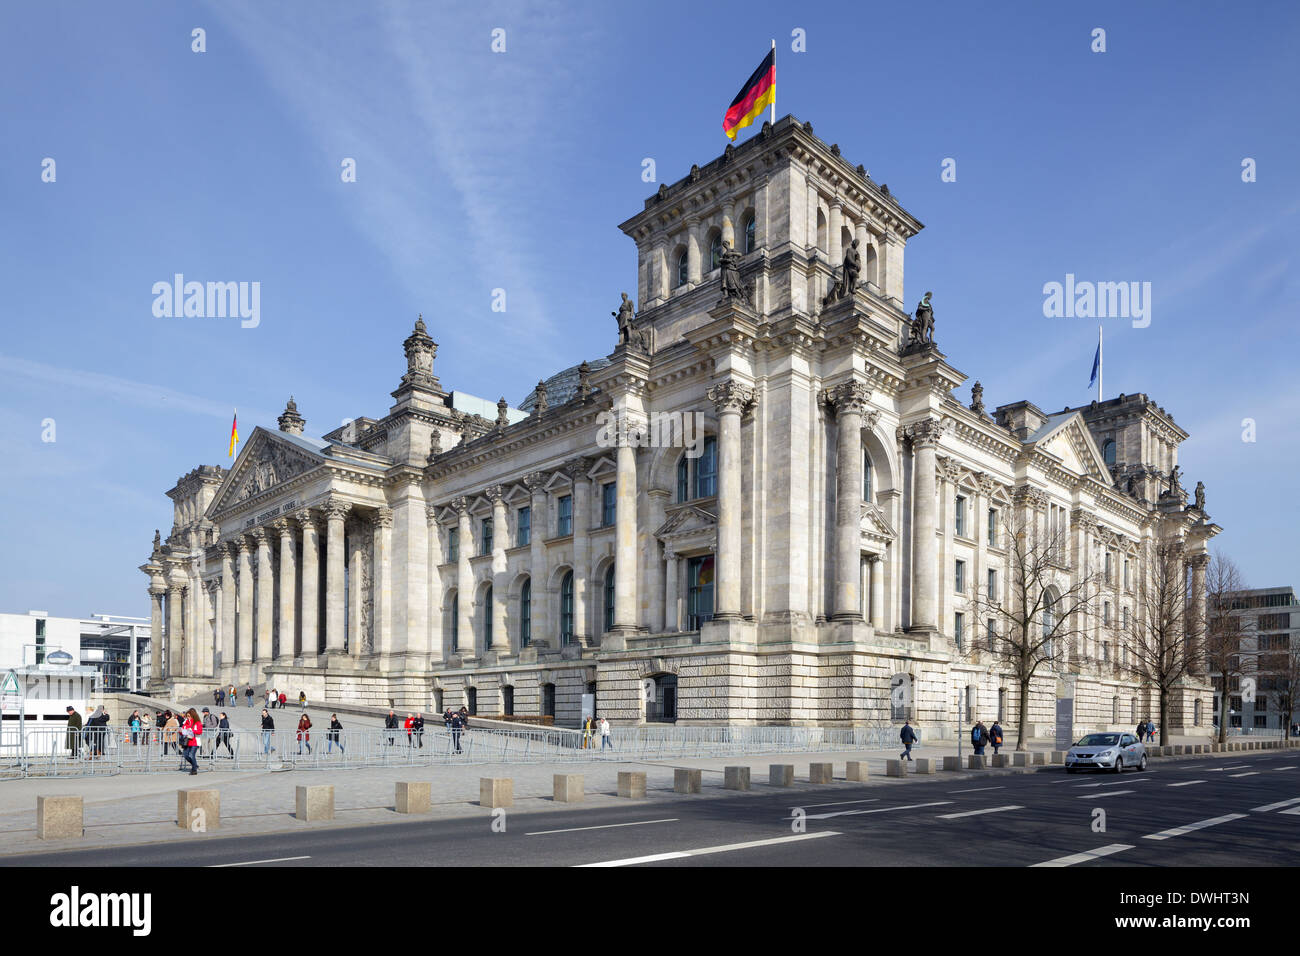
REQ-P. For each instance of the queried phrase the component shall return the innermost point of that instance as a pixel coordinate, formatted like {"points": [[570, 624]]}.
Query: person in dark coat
{"points": [[446, 718], [995, 737], [223, 735], [332, 735], [457, 725], [978, 738], [268, 728], [418, 727], [74, 732], [96, 731], [908, 736], [390, 724]]}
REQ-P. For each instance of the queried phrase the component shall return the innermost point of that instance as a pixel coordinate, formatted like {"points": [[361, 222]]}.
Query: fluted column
{"points": [[381, 582], [244, 652], [336, 512], [211, 639], [433, 596], [175, 627], [693, 252], [465, 581], [577, 472], [228, 598], [731, 398], [1197, 625], [925, 437], [654, 563], [310, 618], [288, 589], [625, 596], [265, 602], [850, 401], [157, 593], [672, 614], [877, 570], [538, 570], [500, 586]]}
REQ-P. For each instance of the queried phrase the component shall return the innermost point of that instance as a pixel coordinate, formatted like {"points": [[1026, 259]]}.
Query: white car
{"points": [[1106, 752]]}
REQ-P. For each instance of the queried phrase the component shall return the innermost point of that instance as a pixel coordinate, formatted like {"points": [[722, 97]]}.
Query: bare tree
{"points": [[1165, 643], [1286, 688], [1224, 630], [1037, 615]]}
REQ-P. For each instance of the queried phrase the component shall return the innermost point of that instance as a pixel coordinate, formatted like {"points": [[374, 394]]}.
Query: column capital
{"points": [[308, 520], [924, 434], [947, 468], [1199, 562], [731, 396], [1028, 496], [849, 397], [383, 517], [431, 514], [495, 494], [158, 590], [534, 481], [283, 525], [336, 508], [576, 469], [260, 536], [239, 545], [460, 506]]}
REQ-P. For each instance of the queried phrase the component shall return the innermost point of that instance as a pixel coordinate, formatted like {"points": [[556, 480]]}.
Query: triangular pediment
{"points": [[1072, 443], [875, 523], [266, 461], [687, 521]]}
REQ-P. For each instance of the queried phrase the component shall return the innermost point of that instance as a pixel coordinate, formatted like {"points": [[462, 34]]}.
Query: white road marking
{"points": [[1287, 767], [1275, 806], [1200, 825], [1294, 811], [682, 854], [1074, 858], [281, 859], [975, 790], [975, 813], [1098, 796], [839, 803], [1236, 766], [1185, 783], [605, 826], [1116, 783], [1248, 773], [847, 813]]}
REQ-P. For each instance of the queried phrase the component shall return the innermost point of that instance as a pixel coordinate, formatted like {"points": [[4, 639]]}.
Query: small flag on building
{"points": [[1096, 367], [758, 93], [234, 433]]}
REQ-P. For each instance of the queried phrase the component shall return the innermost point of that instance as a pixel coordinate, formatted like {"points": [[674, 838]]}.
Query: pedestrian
{"points": [[96, 730], [604, 735], [302, 699], [216, 697], [171, 733], [210, 728], [419, 730], [446, 718], [223, 735], [284, 699], [248, 692], [390, 725], [134, 723], [1151, 731], [333, 737], [73, 739], [270, 699], [586, 732], [995, 737], [409, 725], [192, 730], [464, 716], [304, 732], [159, 721], [978, 739], [1141, 730], [908, 736], [457, 724], [268, 727]]}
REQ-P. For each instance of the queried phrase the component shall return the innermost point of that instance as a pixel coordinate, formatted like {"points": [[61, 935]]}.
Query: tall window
{"points": [[608, 500], [682, 267], [487, 618], [486, 536], [959, 629], [455, 622], [960, 516], [548, 700], [524, 527], [993, 526], [1109, 579], [609, 598], [1126, 587], [959, 578], [749, 235], [699, 594], [40, 641], [993, 585], [564, 519], [1049, 624], [1105, 614], [866, 476], [526, 613], [1108, 451], [453, 544], [566, 609], [508, 701], [698, 477], [990, 632], [715, 251], [471, 700]]}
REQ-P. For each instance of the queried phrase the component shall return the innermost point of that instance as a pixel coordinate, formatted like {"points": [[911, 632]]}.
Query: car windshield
{"points": [[1099, 740]]}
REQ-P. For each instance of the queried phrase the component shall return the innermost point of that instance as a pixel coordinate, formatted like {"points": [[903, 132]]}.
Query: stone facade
{"points": [[795, 565]]}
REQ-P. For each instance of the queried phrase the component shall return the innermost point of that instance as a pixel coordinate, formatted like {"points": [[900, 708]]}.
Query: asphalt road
{"points": [[1204, 812]]}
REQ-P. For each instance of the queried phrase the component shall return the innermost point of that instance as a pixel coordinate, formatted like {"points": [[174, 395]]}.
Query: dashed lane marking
{"points": [[1074, 858], [703, 851], [975, 790], [1185, 783], [1192, 827], [975, 813], [603, 826], [1275, 806], [281, 859], [848, 813], [1098, 796], [1248, 773]]}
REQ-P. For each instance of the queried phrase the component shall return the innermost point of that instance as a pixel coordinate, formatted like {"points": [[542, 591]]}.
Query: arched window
{"points": [[566, 609], [455, 622], [1049, 623], [682, 268], [866, 475], [526, 613], [821, 231], [487, 618], [870, 265], [609, 598], [750, 243], [1108, 451], [715, 250]]}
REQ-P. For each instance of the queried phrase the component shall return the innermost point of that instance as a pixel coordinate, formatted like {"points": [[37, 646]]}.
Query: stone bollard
{"points": [[821, 773], [314, 803], [1056, 757], [1019, 758], [952, 763], [496, 792], [1178, 750], [198, 810], [1038, 758], [975, 762], [856, 770], [1004, 760], [923, 765], [631, 784], [735, 778], [58, 818], [687, 780], [780, 774], [896, 768], [569, 788], [413, 796]]}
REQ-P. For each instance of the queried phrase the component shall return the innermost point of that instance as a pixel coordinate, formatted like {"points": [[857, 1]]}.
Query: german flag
{"points": [[234, 433], [758, 93]]}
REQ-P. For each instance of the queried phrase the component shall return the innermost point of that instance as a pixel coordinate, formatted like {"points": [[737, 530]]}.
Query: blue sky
{"points": [[478, 171]]}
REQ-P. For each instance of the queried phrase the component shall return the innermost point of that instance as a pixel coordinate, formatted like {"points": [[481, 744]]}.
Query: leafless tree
{"points": [[1039, 611], [1286, 688], [1224, 630], [1165, 641]]}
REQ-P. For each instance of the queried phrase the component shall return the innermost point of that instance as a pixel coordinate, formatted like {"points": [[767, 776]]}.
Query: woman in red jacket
{"points": [[191, 730], [304, 732], [409, 725]]}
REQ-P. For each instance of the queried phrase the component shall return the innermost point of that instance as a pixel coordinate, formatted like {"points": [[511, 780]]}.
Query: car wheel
{"points": [[1142, 764], [1119, 764]]}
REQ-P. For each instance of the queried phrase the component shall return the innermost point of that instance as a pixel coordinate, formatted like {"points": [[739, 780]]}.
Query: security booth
{"points": [[34, 702]]}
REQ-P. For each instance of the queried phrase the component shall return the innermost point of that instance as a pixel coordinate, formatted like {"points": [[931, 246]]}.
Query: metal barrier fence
{"points": [[48, 753]]}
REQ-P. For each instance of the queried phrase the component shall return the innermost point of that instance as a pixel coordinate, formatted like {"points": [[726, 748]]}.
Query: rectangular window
{"points": [[523, 526], [1126, 585], [1105, 652], [1109, 578], [1261, 720], [959, 629], [959, 578], [866, 476], [993, 585], [706, 470], [993, 526], [564, 520], [40, 640], [990, 632], [453, 544], [699, 595], [683, 479], [960, 516], [486, 536], [608, 500]]}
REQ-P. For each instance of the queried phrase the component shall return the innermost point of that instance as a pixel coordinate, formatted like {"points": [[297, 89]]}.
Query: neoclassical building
{"points": [[813, 556]]}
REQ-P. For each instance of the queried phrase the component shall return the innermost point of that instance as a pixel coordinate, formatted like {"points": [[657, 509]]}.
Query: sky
{"points": [[478, 170]]}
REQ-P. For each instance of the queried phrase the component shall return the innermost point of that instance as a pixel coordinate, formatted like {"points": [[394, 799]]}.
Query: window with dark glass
{"points": [[566, 609], [715, 251], [683, 479], [524, 527], [866, 476], [487, 618], [608, 502], [959, 578], [508, 701], [455, 622], [960, 516], [486, 536], [1108, 451], [564, 521], [682, 267], [526, 613], [706, 470], [453, 544], [749, 234], [609, 598], [993, 526], [699, 594]]}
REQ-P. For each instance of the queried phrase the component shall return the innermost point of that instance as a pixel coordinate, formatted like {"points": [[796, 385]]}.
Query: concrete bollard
{"points": [[923, 765], [413, 796], [1056, 757], [314, 803], [1019, 758], [975, 762], [896, 768], [780, 774], [496, 792], [735, 778], [952, 763], [1038, 758], [198, 810], [569, 788], [58, 818], [856, 770], [1003, 760], [687, 780], [1178, 750], [631, 784], [821, 773]]}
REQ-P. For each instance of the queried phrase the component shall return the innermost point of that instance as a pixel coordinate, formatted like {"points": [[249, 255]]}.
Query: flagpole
{"points": [[772, 107], [1100, 363]]}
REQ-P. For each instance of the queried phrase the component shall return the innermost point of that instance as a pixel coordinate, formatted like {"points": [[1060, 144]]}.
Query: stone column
{"points": [[157, 593], [538, 571], [356, 597], [265, 602], [850, 402], [229, 606], [672, 614], [310, 585], [693, 252], [465, 582], [577, 472], [408, 610], [288, 589], [336, 511], [433, 595], [877, 570], [864, 240], [654, 563], [834, 245], [662, 284], [731, 398], [244, 652], [381, 583], [729, 225], [1197, 624], [210, 639], [625, 596], [500, 586], [175, 627], [925, 437]]}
